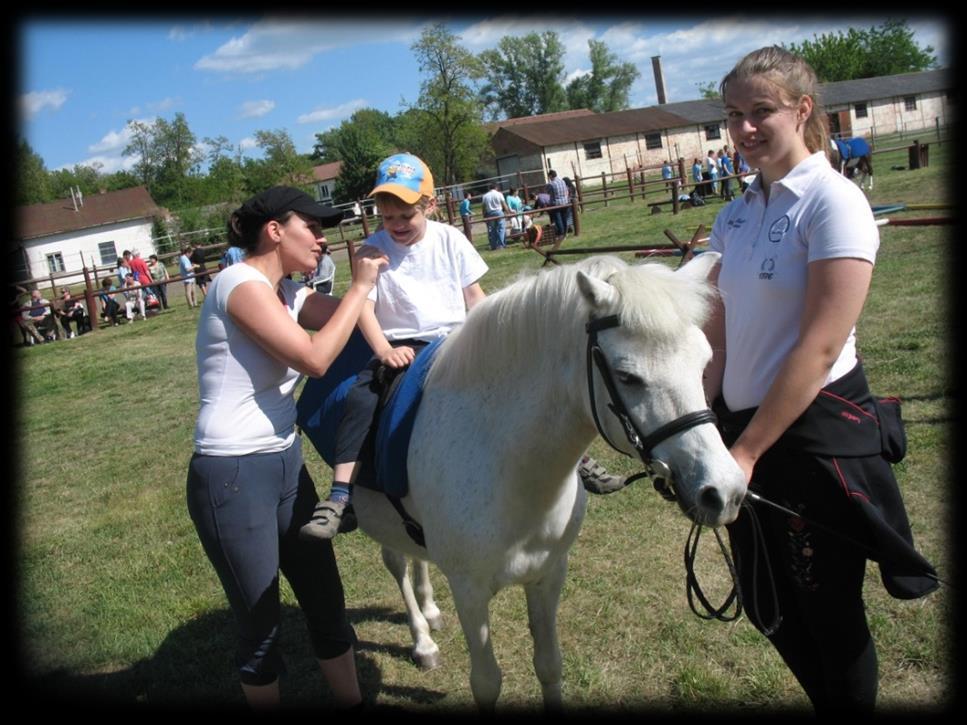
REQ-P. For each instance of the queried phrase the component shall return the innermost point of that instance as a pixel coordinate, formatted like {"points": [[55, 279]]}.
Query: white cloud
{"points": [[275, 44], [247, 143], [36, 101], [328, 114], [179, 33], [256, 109], [114, 142]]}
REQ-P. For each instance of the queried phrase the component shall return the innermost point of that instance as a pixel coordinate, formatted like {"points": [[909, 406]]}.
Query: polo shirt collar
{"points": [[796, 180]]}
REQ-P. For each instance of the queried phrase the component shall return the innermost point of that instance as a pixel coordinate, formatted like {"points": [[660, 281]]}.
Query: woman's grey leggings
{"points": [[247, 511]]}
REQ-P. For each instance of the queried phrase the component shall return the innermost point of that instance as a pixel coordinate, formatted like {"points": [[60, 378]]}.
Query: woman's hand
{"points": [[367, 261]]}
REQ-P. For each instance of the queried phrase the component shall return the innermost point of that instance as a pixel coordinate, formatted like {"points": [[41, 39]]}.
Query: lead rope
{"points": [[694, 591]]}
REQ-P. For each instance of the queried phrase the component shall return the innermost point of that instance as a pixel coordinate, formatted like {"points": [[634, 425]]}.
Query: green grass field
{"points": [[117, 603]]}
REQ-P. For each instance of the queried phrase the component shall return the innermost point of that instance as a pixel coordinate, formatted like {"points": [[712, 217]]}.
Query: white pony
{"points": [[505, 417]]}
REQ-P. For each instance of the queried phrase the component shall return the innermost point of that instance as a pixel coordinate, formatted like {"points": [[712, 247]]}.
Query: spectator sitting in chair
{"points": [[72, 310], [133, 297], [42, 315], [111, 308]]}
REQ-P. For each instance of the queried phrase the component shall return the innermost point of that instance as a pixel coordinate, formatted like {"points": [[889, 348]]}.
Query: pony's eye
{"points": [[628, 378]]}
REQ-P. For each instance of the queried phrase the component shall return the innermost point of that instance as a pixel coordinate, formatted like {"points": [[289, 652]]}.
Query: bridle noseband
{"points": [[655, 468]]}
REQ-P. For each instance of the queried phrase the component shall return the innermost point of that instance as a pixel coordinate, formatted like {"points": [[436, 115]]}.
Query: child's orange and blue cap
{"points": [[404, 176]]}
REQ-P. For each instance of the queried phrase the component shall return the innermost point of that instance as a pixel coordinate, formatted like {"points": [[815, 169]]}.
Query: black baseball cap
{"points": [[274, 202]]}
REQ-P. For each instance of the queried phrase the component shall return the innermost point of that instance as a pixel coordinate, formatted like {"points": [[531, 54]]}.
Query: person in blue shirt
{"points": [[232, 255], [465, 214]]}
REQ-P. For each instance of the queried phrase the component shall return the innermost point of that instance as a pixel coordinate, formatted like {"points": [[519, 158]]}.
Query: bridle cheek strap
{"points": [[642, 444]]}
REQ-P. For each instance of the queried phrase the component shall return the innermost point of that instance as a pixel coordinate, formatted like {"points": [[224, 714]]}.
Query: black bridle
{"points": [[655, 468]]}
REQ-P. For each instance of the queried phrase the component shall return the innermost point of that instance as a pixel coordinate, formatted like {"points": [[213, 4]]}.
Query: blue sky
{"points": [[81, 82]]}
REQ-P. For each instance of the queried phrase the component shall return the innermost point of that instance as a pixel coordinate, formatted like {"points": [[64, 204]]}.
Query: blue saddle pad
{"points": [[323, 402]]}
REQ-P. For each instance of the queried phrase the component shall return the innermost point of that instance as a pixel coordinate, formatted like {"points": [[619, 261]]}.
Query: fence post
{"points": [[631, 185], [365, 224], [449, 204], [577, 188], [574, 213], [92, 311], [467, 226], [604, 187], [641, 182], [914, 155], [675, 202]]}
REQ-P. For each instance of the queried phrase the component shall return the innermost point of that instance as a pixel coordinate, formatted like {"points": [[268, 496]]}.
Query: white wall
{"points": [[80, 248]]}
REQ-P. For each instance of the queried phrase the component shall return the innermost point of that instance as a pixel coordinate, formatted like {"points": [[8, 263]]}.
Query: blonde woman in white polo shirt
{"points": [[798, 250]]}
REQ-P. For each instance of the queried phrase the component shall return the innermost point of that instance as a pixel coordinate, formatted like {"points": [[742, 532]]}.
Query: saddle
{"points": [[322, 404]]}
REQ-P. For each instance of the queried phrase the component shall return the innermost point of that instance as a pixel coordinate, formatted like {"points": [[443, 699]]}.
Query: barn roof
{"points": [[41, 220], [597, 125], [902, 84], [324, 172]]}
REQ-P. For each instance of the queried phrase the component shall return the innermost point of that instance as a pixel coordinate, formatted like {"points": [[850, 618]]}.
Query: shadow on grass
{"points": [[193, 668]]}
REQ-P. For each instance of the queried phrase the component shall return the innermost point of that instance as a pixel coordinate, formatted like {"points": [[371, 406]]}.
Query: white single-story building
{"points": [[83, 231], [587, 144], [324, 180]]}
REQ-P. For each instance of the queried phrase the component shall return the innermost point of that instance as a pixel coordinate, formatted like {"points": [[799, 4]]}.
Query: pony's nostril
{"points": [[710, 499]]}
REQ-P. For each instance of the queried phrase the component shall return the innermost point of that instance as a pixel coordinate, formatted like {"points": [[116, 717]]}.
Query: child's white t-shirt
{"points": [[419, 294]]}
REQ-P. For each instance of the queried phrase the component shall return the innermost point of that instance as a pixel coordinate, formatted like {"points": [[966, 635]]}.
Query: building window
{"points": [[108, 252], [910, 102], [592, 150], [713, 132], [55, 262], [653, 140], [860, 109]]}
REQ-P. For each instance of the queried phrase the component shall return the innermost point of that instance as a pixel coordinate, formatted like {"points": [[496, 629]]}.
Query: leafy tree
{"points": [[281, 164], [378, 126], [33, 185], [607, 86], [709, 91], [881, 50], [448, 112], [524, 76]]}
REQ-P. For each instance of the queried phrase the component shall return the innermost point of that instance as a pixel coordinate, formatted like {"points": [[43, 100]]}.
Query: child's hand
{"points": [[397, 357]]}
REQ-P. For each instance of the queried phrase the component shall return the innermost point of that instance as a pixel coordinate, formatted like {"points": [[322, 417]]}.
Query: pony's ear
{"points": [[598, 293], [701, 264]]}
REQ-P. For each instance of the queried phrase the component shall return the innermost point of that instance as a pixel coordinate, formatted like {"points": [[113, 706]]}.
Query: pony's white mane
{"points": [[537, 314]]}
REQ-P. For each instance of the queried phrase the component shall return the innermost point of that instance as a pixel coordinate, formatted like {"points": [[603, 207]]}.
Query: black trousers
{"points": [[818, 579], [357, 429]]}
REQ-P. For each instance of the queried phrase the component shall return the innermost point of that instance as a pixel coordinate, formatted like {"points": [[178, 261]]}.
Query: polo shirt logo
{"points": [[767, 268], [779, 228]]}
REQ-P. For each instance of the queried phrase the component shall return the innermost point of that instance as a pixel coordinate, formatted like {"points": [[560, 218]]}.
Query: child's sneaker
{"points": [[328, 519]]}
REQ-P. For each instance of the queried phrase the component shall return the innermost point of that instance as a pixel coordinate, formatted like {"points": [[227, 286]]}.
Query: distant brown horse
{"points": [[851, 155]]}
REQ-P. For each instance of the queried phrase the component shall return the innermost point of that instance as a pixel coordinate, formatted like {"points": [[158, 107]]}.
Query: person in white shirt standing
{"points": [[248, 489], [794, 406], [495, 205]]}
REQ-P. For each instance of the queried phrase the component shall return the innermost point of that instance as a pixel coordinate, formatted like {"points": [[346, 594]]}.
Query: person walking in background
{"points": [[698, 178], [465, 211], [494, 207], [159, 274], [557, 191], [248, 490], [783, 375], [202, 278], [186, 269]]}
